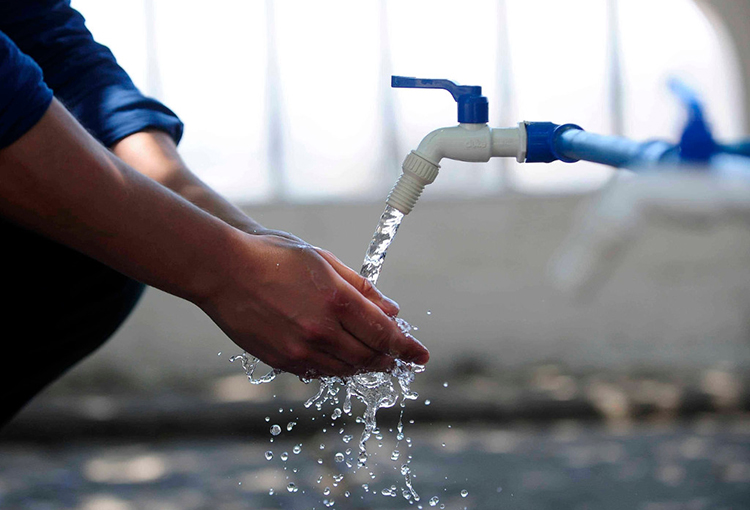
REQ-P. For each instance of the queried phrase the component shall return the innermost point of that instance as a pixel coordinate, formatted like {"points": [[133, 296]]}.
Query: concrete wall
{"points": [[679, 300]]}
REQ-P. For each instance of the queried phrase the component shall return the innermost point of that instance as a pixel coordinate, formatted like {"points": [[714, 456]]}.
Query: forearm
{"points": [[154, 154], [57, 180], [293, 306]]}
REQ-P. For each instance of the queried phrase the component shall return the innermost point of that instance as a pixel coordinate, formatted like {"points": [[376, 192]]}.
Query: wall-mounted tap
{"points": [[543, 142], [471, 140]]}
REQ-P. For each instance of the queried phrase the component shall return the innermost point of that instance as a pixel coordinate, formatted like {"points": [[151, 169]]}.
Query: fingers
{"points": [[372, 327], [337, 355], [348, 349], [316, 364], [278, 233], [362, 285]]}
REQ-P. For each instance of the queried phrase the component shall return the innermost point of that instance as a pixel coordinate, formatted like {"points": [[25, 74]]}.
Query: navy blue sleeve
{"points": [[82, 73], [24, 97]]}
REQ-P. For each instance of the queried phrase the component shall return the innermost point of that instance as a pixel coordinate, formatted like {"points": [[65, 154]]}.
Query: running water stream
{"points": [[376, 390], [388, 225]]}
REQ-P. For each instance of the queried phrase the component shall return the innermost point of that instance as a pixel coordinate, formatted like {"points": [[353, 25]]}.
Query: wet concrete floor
{"points": [[695, 464]]}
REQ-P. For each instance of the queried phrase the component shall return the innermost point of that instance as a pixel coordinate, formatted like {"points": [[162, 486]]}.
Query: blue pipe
{"points": [[739, 148], [547, 142], [577, 144]]}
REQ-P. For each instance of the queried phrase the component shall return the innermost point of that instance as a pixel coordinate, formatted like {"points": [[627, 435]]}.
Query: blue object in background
{"points": [[547, 142]]}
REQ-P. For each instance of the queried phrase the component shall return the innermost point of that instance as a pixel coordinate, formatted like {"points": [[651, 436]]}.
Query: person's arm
{"points": [[87, 79], [154, 154], [276, 298]]}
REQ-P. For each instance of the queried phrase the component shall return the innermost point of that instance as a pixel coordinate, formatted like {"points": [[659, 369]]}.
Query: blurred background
{"points": [[635, 398]]}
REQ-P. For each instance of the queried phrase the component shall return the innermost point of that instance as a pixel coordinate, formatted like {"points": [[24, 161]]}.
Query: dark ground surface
{"points": [[702, 462]]}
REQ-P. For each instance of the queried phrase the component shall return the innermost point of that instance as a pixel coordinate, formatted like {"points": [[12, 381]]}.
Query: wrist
{"points": [[233, 253]]}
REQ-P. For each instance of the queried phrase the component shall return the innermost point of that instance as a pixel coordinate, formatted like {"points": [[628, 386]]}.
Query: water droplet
{"points": [[442, 444], [275, 430], [290, 425], [445, 384], [268, 418], [219, 354], [297, 449], [429, 312], [347, 494], [284, 456], [337, 478], [326, 491], [395, 455], [393, 491], [427, 402], [269, 455], [339, 457], [320, 461], [434, 501], [366, 487], [464, 493], [322, 446], [347, 438], [328, 502], [270, 492], [281, 409], [292, 488]]}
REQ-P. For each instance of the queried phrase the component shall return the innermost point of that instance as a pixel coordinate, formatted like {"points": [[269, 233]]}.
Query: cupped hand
{"points": [[301, 310], [360, 283]]}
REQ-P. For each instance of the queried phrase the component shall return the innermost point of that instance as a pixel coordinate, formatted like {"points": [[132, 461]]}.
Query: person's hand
{"points": [[299, 309], [360, 283]]}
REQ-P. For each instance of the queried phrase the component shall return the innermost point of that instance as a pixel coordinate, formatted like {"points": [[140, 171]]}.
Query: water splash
{"points": [[249, 364], [376, 390]]}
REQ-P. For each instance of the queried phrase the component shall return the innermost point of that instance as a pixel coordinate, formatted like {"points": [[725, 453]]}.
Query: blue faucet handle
{"points": [[473, 107], [696, 143]]}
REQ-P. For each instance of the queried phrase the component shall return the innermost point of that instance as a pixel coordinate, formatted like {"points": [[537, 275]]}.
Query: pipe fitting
{"points": [[466, 142], [417, 172]]}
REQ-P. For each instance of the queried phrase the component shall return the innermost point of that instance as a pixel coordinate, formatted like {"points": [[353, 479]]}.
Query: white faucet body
{"points": [[474, 143], [464, 142]]}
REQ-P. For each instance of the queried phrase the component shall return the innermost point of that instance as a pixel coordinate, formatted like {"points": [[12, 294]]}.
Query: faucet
{"points": [[471, 140], [543, 142], [697, 181]]}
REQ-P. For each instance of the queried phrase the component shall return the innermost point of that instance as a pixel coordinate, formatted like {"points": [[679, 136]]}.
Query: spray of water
{"points": [[376, 390]]}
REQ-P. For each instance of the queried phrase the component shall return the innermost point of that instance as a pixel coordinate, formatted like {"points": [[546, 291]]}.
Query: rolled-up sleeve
{"points": [[82, 73], [24, 97]]}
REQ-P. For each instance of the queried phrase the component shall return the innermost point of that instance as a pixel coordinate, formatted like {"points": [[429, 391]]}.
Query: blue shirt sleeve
{"points": [[24, 97], [82, 73]]}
